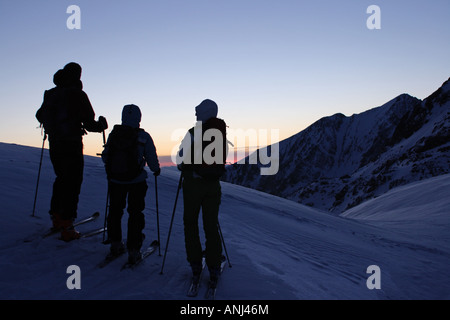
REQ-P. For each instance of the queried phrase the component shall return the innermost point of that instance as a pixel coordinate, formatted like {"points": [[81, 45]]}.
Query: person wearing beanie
{"points": [[126, 152], [202, 190], [66, 114]]}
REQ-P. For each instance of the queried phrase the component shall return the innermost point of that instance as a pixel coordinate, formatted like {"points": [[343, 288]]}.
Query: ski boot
{"points": [[117, 248], [196, 272], [214, 274], [68, 232], [134, 255], [56, 221]]}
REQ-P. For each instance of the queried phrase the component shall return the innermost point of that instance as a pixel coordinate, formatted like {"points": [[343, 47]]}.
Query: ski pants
{"points": [[200, 194], [119, 195], [67, 160]]}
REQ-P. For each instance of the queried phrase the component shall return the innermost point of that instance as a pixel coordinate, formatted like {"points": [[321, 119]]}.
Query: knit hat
{"points": [[131, 116], [206, 110], [73, 71]]}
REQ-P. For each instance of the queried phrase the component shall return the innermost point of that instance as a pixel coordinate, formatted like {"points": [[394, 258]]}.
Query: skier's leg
{"points": [[192, 201], [56, 200], [136, 219], [74, 179], [117, 202], [67, 160], [210, 213], [58, 161]]}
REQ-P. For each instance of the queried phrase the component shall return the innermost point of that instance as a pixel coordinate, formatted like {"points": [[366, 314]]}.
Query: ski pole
{"points": [[106, 217], [107, 199], [223, 242], [157, 213], [171, 223], [39, 173]]}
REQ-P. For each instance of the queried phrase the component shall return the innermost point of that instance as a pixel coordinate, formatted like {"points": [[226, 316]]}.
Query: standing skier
{"points": [[127, 150], [201, 169], [66, 115]]}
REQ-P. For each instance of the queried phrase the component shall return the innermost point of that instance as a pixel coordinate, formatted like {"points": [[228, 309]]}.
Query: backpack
{"points": [[55, 114], [122, 161], [214, 170]]}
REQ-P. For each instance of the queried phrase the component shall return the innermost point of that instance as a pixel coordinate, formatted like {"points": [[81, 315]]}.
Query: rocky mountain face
{"points": [[339, 161]]}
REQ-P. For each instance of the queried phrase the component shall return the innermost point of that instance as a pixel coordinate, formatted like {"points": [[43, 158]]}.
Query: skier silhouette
{"points": [[202, 191], [126, 152], [66, 114]]}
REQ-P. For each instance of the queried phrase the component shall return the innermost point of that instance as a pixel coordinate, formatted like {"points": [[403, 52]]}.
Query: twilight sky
{"points": [[268, 64]]}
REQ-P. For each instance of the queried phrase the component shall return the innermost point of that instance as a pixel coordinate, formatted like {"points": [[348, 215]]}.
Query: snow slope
{"points": [[421, 206], [279, 249]]}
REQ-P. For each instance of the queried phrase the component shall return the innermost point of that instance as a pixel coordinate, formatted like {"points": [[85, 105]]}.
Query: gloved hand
{"points": [[103, 122], [157, 173]]}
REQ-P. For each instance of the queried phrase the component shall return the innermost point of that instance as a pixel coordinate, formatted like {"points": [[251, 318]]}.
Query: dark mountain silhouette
{"points": [[339, 161]]}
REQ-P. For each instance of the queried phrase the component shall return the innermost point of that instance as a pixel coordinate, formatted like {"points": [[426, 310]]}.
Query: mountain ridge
{"points": [[340, 161]]}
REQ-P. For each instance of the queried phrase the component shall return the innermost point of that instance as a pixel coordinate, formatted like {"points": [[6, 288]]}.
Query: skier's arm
{"points": [[88, 116], [184, 152], [40, 112], [151, 157]]}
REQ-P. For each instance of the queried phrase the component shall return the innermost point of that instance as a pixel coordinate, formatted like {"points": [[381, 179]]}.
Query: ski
{"points": [[147, 252], [93, 217], [110, 258], [195, 283], [212, 287], [92, 232], [53, 231]]}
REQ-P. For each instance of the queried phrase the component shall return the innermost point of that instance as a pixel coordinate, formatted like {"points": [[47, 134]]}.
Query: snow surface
{"points": [[279, 249]]}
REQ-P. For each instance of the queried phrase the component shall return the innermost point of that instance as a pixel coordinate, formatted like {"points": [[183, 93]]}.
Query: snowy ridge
{"points": [[339, 162], [279, 249]]}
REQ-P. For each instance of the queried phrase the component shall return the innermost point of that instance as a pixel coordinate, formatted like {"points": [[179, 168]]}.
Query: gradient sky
{"points": [[268, 64]]}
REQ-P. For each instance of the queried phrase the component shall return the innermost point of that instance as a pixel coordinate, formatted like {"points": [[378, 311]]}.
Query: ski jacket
{"points": [[188, 149], [131, 116], [66, 112]]}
